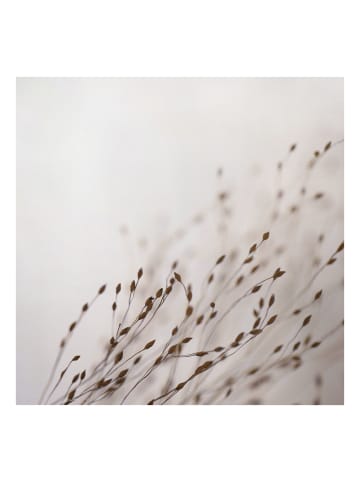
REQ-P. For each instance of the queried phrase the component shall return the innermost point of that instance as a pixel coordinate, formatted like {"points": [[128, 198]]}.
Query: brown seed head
{"points": [[124, 331], [306, 320], [72, 326], [317, 295], [255, 332], [118, 357], [149, 344], [271, 320], [102, 289], [189, 311], [277, 349], [327, 146], [221, 259]]}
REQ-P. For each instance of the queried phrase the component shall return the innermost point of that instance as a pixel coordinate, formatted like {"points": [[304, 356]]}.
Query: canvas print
{"points": [[180, 241]]}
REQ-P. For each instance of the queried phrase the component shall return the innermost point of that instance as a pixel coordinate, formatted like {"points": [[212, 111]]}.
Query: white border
{"points": [[173, 38]]}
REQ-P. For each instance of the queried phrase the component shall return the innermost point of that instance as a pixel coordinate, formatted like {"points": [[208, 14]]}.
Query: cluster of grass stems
{"points": [[179, 347]]}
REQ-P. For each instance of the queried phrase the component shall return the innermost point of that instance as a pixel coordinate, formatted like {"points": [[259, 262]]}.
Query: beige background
{"points": [[97, 154]]}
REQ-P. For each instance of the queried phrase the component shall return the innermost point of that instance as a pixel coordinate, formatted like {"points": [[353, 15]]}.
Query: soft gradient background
{"points": [[95, 155]]}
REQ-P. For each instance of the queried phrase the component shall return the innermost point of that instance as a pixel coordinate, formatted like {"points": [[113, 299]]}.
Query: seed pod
{"points": [[75, 378], [72, 326], [102, 289], [180, 386], [189, 310], [271, 320], [203, 367], [71, 395], [296, 346], [137, 359], [124, 331], [255, 332], [278, 273], [158, 361], [253, 248], [306, 320], [340, 248], [317, 295], [257, 323], [149, 344], [172, 349], [118, 358], [200, 319], [221, 259], [239, 280]]}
